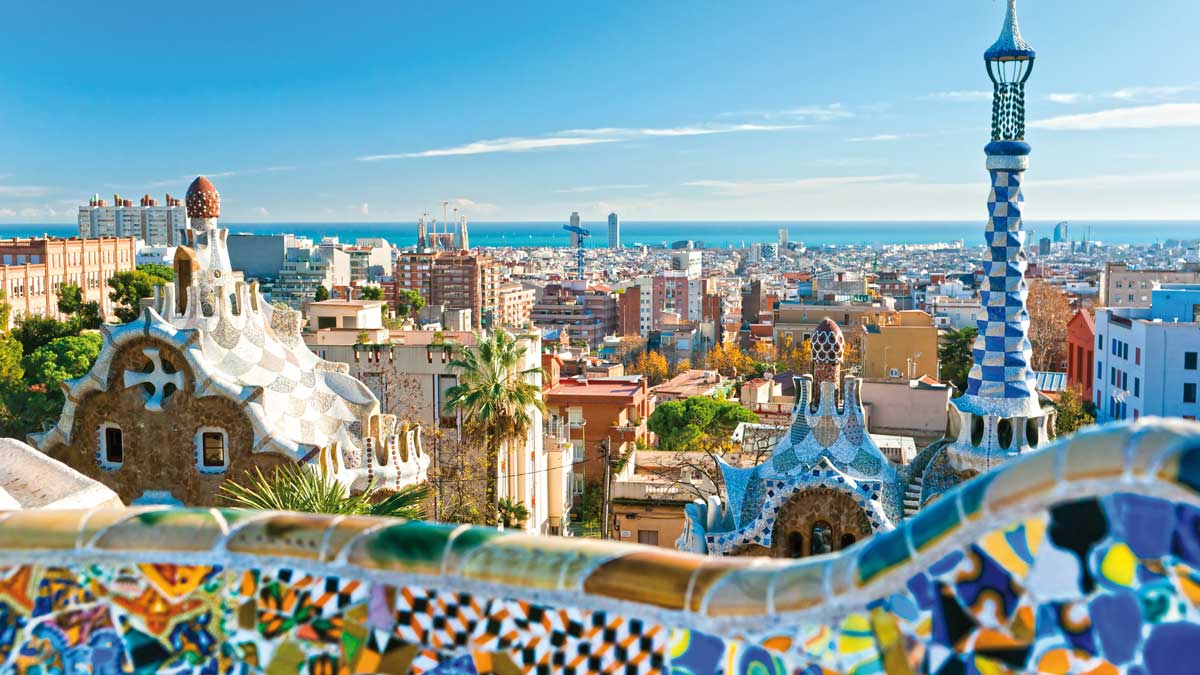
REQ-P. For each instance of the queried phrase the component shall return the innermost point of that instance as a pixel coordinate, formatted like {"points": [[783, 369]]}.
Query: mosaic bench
{"points": [[1082, 558]]}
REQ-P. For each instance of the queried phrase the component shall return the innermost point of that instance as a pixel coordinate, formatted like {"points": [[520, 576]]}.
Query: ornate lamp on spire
{"points": [[1000, 415]]}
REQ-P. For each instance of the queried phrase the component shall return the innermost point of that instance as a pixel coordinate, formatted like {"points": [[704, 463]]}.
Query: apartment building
{"points": [[900, 346], [1123, 286], [156, 225]]}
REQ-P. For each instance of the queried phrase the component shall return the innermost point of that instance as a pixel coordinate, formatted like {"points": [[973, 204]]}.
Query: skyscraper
{"points": [[614, 231], [1061, 233], [574, 223]]}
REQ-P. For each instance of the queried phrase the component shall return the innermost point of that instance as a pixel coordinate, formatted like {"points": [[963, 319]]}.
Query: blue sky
{"points": [[349, 111]]}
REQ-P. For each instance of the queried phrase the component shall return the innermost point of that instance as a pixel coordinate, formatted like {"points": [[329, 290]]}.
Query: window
{"points": [[112, 447], [1100, 342], [1137, 386], [1189, 360], [649, 537], [577, 484], [1099, 370], [1137, 355], [1189, 392], [212, 454]]}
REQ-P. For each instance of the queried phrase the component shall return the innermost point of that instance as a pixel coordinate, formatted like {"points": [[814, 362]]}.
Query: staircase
{"points": [[912, 497]]}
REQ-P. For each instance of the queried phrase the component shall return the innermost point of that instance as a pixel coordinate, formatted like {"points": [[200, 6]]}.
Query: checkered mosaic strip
{"points": [[1002, 350]]}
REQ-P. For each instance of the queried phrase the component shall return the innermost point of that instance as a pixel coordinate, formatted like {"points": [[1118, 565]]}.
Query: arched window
{"points": [[795, 545], [847, 541], [822, 538]]}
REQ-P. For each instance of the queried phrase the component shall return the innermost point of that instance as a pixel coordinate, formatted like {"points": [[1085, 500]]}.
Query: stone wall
{"points": [[159, 447]]}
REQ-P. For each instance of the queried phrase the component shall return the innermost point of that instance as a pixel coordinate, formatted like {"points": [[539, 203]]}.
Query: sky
{"points": [[797, 110]]}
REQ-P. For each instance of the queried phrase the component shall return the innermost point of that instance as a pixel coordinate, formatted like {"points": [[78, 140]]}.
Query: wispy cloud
{"points": [[806, 113], [962, 95], [1166, 115], [23, 190], [1155, 93], [741, 188], [597, 188], [364, 209], [1102, 180], [574, 137], [874, 139], [219, 174], [1067, 98]]}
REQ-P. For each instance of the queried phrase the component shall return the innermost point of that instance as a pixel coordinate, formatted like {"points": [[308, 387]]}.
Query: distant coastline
{"points": [[713, 234]]}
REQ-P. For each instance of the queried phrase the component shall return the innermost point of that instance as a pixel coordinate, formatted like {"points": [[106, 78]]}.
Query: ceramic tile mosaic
{"points": [[1096, 575]]}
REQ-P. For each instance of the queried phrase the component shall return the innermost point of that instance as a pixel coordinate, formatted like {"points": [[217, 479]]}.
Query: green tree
{"points": [[408, 302], [371, 293], [70, 303], [297, 487], [130, 287], [1073, 412], [34, 331], [682, 425], [322, 294], [956, 357], [512, 513], [63, 358], [495, 396]]}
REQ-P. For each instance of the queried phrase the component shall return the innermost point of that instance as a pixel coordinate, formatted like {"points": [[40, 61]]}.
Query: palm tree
{"points": [[512, 513], [295, 487], [496, 397]]}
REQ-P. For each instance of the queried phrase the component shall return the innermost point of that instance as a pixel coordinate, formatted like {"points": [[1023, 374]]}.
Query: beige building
{"points": [[649, 493], [514, 305], [1122, 286], [33, 271], [797, 320], [689, 383], [915, 408], [900, 346]]}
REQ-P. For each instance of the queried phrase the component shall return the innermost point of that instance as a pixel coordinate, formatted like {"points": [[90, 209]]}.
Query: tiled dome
{"points": [[828, 344], [203, 200]]}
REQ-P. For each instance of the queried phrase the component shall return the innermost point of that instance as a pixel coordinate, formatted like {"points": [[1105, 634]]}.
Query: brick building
{"points": [[1081, 346], [32, 271]]}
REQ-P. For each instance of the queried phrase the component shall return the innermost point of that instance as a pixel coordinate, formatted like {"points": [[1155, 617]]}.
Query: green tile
{"points": [[933, 521], [881, 553]]}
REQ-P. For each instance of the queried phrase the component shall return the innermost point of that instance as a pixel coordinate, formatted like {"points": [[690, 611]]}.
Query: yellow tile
{"points": [[528, 561], [345, 530], [40, 530], [652, 576]]}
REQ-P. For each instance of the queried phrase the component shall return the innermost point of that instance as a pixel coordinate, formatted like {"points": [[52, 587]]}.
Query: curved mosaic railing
{"points": [[1084, 557]]}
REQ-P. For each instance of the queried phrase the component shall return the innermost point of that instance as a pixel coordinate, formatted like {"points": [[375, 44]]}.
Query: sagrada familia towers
{"points": [[827, 485]]}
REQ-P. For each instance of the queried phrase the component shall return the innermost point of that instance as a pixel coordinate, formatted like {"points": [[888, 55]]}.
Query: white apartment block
{"points": [[156, 225], [1147, 359]]}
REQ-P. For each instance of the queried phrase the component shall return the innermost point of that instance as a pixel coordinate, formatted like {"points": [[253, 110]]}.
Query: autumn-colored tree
{"points": [[795, 358], [762, 352], [652, 365], [1072, 412], [1049, 312], [681, 366], [728, 360]]}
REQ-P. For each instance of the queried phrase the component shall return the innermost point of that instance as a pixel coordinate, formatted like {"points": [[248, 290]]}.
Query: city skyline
{"points": [[784, 113]]}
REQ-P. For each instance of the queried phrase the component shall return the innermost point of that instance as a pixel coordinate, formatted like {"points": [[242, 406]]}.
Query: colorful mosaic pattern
{"points": [[1081, 558]]}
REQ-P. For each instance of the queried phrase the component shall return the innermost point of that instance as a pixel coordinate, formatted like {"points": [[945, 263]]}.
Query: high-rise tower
{"points": [[1000, 416], [614, 231]]}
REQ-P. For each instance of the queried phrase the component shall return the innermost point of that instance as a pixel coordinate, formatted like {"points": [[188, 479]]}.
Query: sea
{"points": [[707, 233]]}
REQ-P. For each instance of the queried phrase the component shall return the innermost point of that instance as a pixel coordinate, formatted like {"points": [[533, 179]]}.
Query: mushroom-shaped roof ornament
{"points": [[828, 343], [203, 201], [1009, 63]]}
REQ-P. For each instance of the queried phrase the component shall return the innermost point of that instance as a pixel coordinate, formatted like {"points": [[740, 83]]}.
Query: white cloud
{"points": [[597, 188], [1166, 115], [875, 138], [23, 190], [262, 212], [808, 113], [574, 137], [219, 174], [7, 213], [964, 95], [740, 188], [1156, 93], [1117, 180], [470, 207], [364, 209], [1067, 99]]}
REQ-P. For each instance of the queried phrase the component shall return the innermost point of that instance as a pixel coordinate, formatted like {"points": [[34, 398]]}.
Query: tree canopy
{"points": [[956, 356], [681, 425], [1073, 412], [130, 287], [321, 294], [370, 293], [408, 302]]}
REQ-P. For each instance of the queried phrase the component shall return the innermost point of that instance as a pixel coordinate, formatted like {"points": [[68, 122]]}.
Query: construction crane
{"points": [[580, 234]]}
